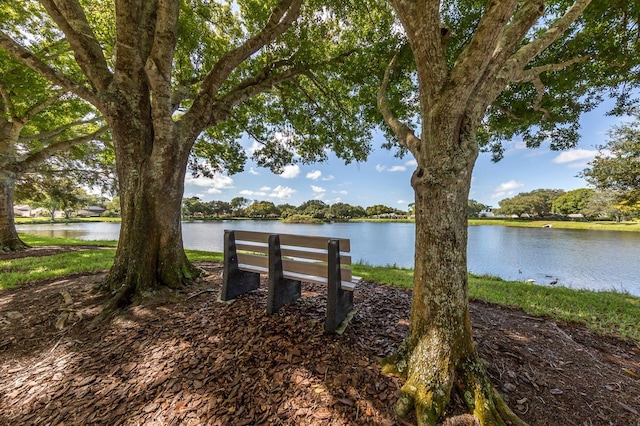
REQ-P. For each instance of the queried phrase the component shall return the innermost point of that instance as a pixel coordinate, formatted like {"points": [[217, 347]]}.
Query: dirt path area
{"points": [[190, 360]]}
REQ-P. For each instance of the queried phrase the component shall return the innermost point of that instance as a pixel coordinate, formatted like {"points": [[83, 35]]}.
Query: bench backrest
{"points": [[303, 257]]}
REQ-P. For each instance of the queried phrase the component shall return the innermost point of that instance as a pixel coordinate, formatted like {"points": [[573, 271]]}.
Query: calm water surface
{"points": [[597, 260]]}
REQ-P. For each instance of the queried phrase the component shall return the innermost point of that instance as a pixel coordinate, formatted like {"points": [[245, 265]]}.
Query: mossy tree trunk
{"points": [[151, 165], [458, 80], [9, 239], [438, 356]]}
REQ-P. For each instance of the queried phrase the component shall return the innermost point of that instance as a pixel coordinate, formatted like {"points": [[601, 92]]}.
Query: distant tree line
{"points": [[313, 209], [587, 203]]}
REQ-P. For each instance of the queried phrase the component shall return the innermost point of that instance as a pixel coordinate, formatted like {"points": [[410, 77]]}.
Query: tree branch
{"points": [[406, 136], [159, 63], [532, 74], [29, 59], [36, 158], [494, 80], [281, 19], [38, 108], [528, 52], [71, 19], [6, 102], [57, 131], [476, 56]]}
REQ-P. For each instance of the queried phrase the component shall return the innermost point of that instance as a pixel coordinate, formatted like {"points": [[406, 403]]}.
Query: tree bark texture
{"points": [[9, 239], [438, 356], [151, 166]]}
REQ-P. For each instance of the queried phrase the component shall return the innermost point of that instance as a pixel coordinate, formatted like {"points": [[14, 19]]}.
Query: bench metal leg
{"points": [[234, 281], [339, 301], [281, 289]]}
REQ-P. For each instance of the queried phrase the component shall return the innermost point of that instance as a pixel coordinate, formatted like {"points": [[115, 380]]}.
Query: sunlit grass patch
{"points": [[14, 272], [40, 240]]}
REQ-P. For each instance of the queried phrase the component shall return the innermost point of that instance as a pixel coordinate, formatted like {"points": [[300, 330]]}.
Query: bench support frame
{"points": [[235, 281], [281, 290], [339, 301]]}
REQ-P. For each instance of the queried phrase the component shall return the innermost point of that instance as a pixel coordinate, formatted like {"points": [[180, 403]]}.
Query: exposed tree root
{"points": [[434, 375], [126, 291], [13, 245]]}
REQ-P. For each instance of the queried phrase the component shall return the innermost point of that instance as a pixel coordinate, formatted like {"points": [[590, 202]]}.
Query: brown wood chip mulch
{"points": [[186, 359]]}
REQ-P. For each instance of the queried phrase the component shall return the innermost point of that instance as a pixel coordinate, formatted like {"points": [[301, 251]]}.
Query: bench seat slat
{"points": [[312, 268], [252, 248], [255, 260]]}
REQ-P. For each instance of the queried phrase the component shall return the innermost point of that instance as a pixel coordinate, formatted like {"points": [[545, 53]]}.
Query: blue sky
{"points": [[385, 179]]}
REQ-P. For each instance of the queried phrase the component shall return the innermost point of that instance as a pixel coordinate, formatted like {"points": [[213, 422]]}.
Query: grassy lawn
{"points": [[603, 312], [560, 224]]}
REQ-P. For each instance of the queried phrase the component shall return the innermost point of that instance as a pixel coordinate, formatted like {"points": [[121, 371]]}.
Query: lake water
{"points": [[597, 260]]}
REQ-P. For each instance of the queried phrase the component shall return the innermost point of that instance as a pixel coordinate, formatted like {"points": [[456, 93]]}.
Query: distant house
{"points": [[525, 215], [22, 210], [576, 216], [91, 211], [486, 213]]}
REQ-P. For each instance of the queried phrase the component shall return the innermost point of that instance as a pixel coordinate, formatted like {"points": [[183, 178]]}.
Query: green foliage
{"points": [[574, 202], [262, 209], [538, 202], [616, 169], [316, 209], [474, 208], [605, 52], [302, 218]]}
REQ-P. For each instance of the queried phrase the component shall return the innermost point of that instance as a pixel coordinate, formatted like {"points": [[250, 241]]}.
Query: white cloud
{"points": [[291, 171], [255, 146], [397, 169], [342, 192], [214, 185], [250, 193], [575, 155], [318, 189], [411, 163], [330, 177], [380, 168], [253, 172], [314, 174], [401, 202], [282, 192], [265, 188], [506, 189], [319, 196]]}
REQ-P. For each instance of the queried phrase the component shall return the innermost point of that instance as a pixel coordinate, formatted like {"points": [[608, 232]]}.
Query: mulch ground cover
{"points": [[184, 358]]}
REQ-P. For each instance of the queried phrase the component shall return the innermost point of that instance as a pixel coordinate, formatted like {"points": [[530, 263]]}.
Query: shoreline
{"points": [[519, 223]]}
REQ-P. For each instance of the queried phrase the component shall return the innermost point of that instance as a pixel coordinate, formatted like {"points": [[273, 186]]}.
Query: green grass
{"points": [[15, 272], [560, 224], [39, 240], [603, 312]]}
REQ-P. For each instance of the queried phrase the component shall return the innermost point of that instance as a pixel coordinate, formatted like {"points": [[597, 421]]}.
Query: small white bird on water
{"points": [[531, 280]]}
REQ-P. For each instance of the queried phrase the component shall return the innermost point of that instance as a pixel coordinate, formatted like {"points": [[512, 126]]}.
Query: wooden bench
{"points": [[289, 260]]}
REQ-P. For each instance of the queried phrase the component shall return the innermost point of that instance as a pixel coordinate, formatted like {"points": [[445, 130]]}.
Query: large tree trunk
{"points": [[439, 356], [151, 171], [9, 239]]}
